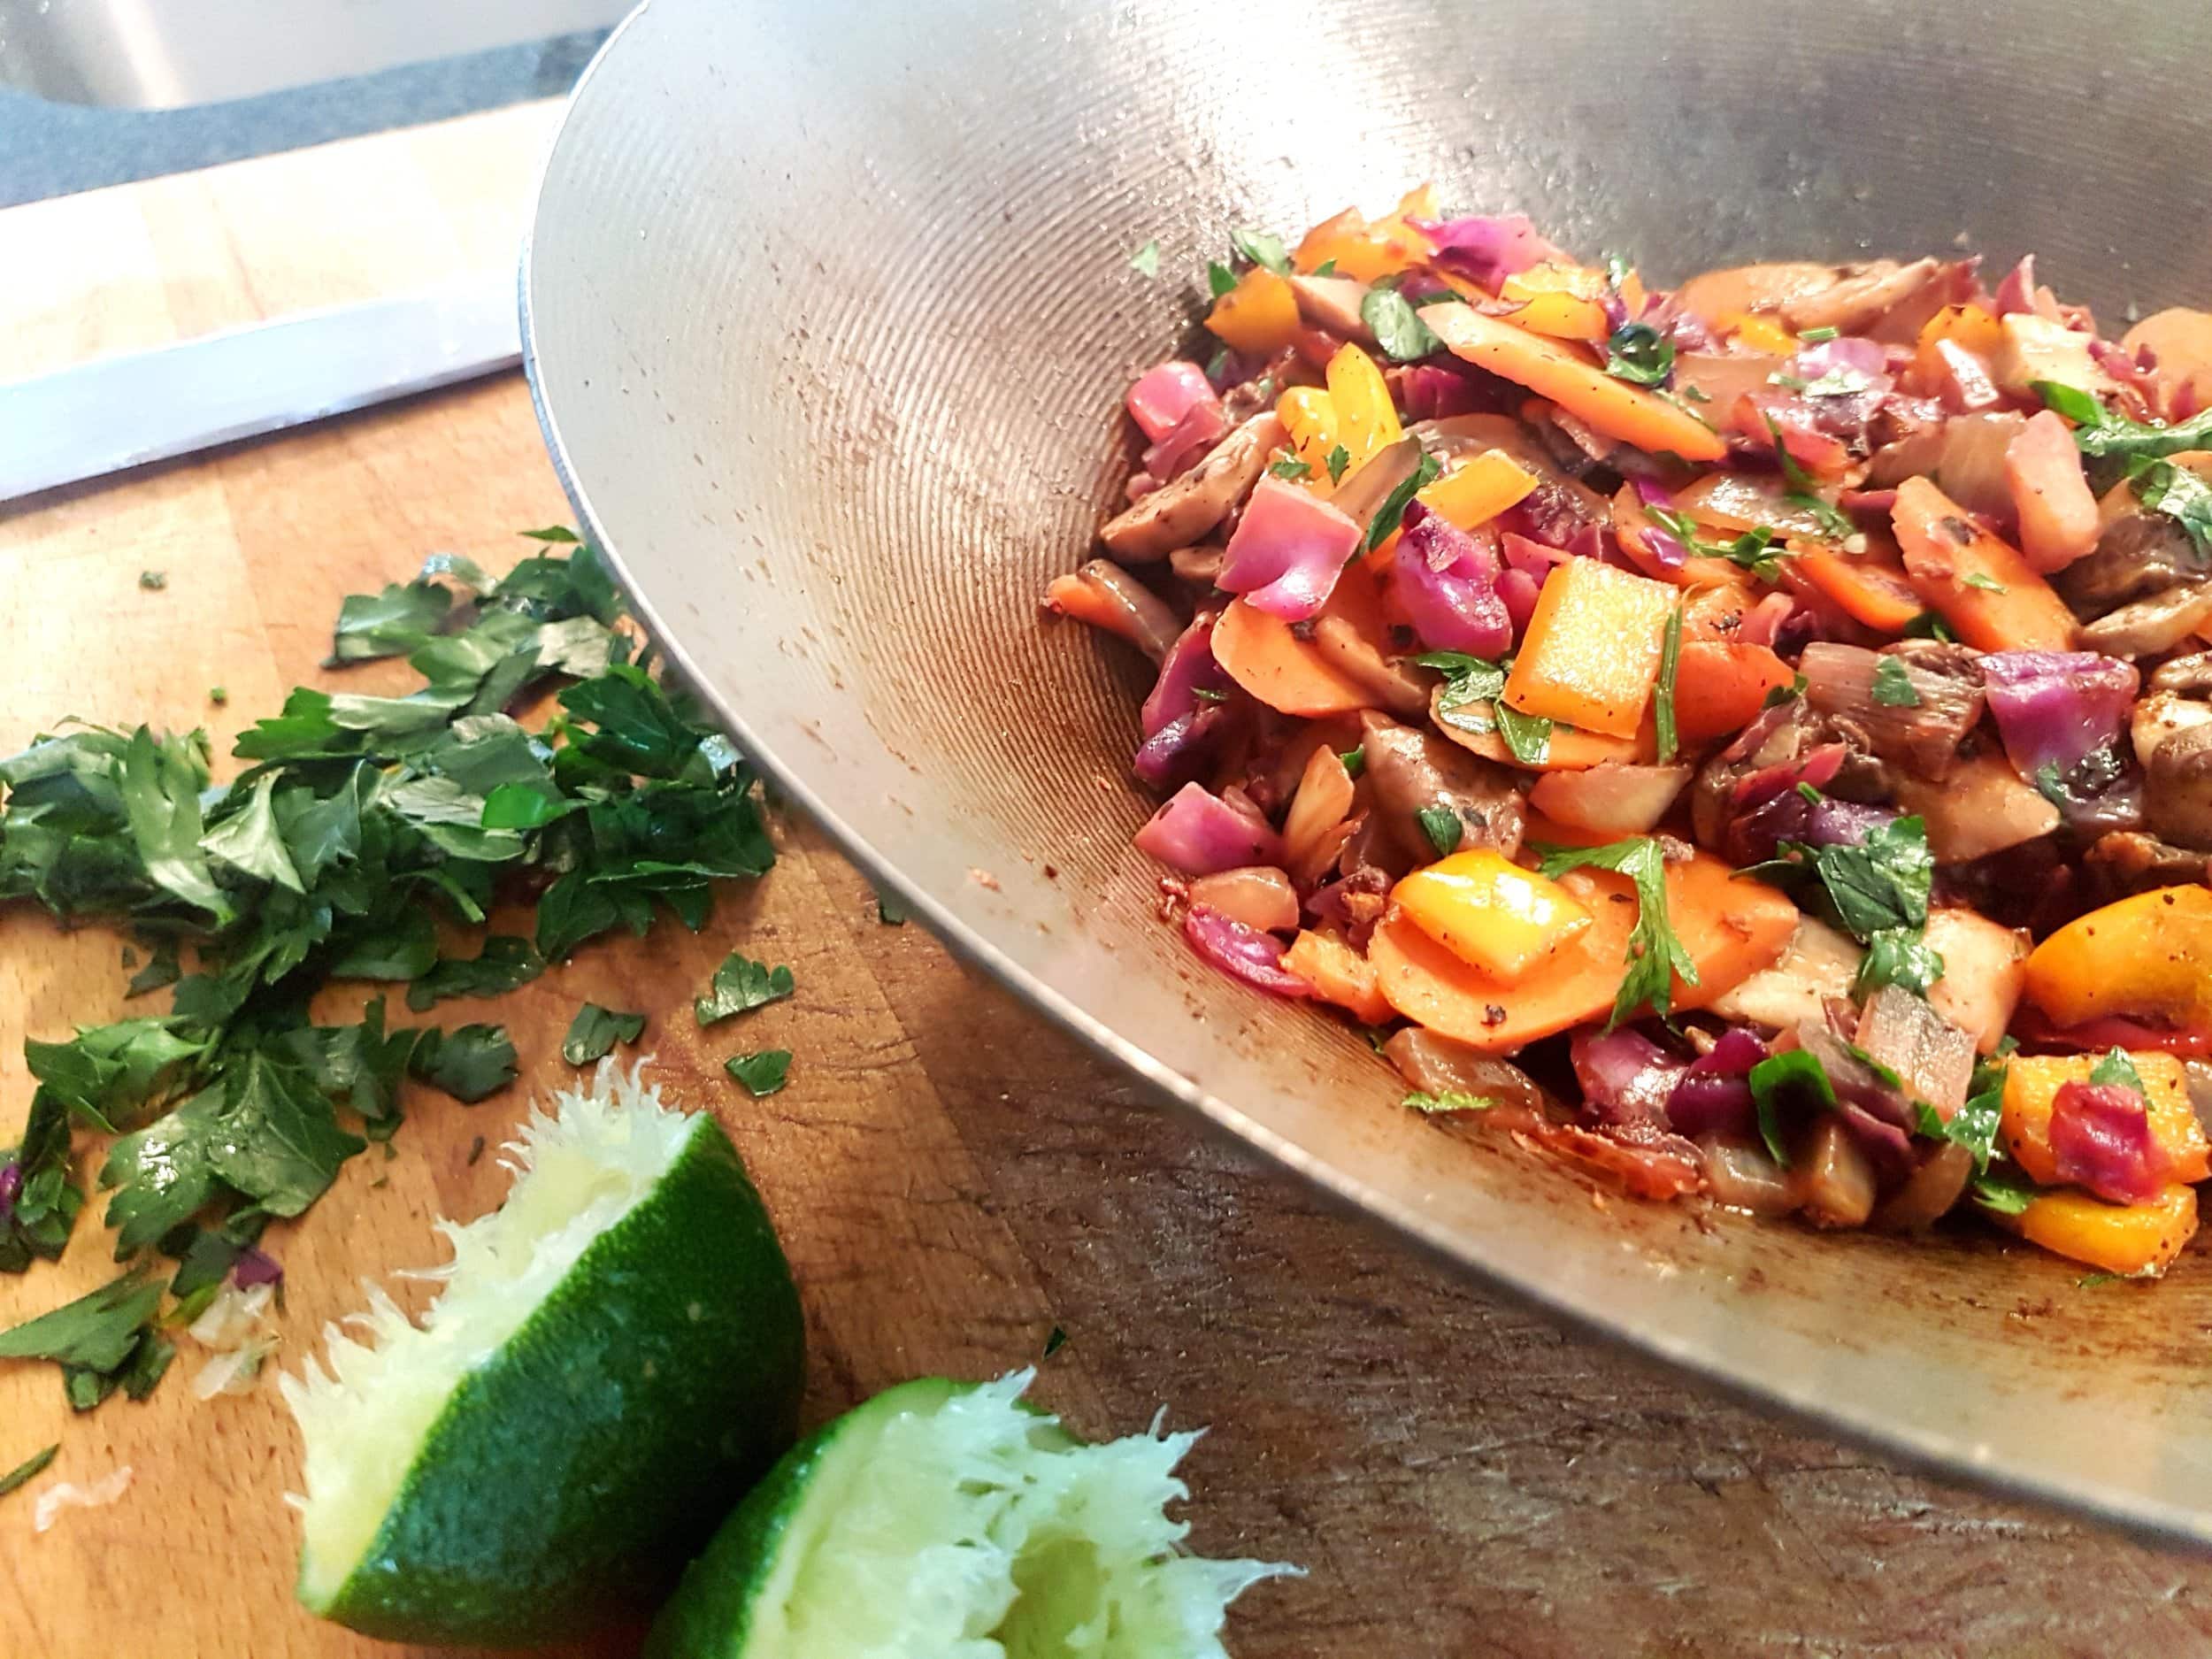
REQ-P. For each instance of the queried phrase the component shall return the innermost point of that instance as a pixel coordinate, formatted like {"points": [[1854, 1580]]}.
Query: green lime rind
{"points": [[568, 1478], [711, 1612]]}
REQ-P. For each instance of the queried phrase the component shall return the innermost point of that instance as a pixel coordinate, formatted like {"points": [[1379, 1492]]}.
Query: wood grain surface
{"points": [[952, 1179]]}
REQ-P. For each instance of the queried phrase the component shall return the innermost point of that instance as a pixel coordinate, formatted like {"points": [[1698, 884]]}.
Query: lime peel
{"points": [[612, 1355], [946, 1517]]}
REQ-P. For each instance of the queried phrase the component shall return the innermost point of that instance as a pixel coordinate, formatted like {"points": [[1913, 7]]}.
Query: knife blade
{"points": [[112, 413]]}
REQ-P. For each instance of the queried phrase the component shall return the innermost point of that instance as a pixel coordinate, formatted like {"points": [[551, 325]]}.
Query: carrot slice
{"points": [[1869, 589], [1976, 582], [1731, 929], [1575, 384], [1335, 972], [1720, 687], [1569, 750], [1261, 655], [1590, 654], [1635, 527]]}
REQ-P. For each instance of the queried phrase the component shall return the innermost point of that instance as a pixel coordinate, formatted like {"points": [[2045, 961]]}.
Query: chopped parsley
{"points": [[1146, 261], [762, 1073], [890, 908], [2117, 1068], [741, 984], [1291, 467], [1326, 268], [1988, 584], [1669, 667], [153, 582], [2099, 433], [1355, 760], [593, 1032], [1443, 828], [1527, 737], [1394, 504], [29, 1470], [1337, 460], [1834, 523], [1753, 549], [2002, 1189], [1929, 626], [1261, 249], [1397, 326], [1877, 889], [1639, 354], [1893, 685], [1781, 694], [1219, 280], [1656, 954], [1450, 1100], [1819, 336], [2182, 496], [1794, 1078]]}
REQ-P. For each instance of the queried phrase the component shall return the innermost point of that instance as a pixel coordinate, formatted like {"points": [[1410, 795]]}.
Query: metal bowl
{"points": [[829, 309]]}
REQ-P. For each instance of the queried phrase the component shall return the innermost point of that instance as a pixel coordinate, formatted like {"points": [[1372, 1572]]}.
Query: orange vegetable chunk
{"points": [[2032, 1085], [1730, 928], [1490, 913], [1720, 687], [1335, 972], [1478, 490], [1590, 654], [1259, 315], [2128, 1239], [1976, 582], [1570, 380], [2147, 957]]}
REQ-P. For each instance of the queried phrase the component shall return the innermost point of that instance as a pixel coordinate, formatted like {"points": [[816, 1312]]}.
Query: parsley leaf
{"points": [[1443, 828], [506, 963], [94, 1332], [1639, 354], [469, 1062], [1656, 955], [1670, 666], [2098, 432], [2183, 496], [1448, 1099], [1146, 261], [1394, 504], [29, 1470], [1397, 326], [47, 1197], [1527, 736], [1292, 468], [1816, 337], [1355, 760], [1792, 1078], [1261, 249], [1987, 584], [1929, 626], [2116, 1067], [1898, 956], [1338, 458], [741, 984], [762, 1073], [593, 1032], [1219, 280], [1834, 523], [1327, 267], [389, 624], [2002, 1189], [1893, 685]]}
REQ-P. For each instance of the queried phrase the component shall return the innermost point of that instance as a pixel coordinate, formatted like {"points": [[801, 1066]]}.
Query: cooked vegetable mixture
{"points": [[1775, 712]]}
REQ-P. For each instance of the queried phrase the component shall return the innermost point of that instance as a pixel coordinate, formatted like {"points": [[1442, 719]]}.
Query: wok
{"points": [[828, 312]]}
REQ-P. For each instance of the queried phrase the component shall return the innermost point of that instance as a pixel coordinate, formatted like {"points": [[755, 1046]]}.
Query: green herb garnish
{"points": [[1397, 326], [1656, 955], [2098, 432], [1261, 249], [762, 1073], [1291, 467], [1639, 354], [1443, 828], [1893, 687], [593, 1032], [2117, 1068], [1450, 1100], [1819, 336], [741, 984], [2182, 496], [1987, 584], [28, 1470], [1337, 459], [1219, 280], [1146, 261], [1670, 666], [1929, 626], [1394, 504]]}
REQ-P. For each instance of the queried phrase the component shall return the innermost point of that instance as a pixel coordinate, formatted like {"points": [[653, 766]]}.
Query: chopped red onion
{"points": [[1198, 833], [1848, 364], [2058, 708], [1244, 953], [1664, 545], [2017, 292], [1625, 1077], [1288, 549], [1519, 591], [255, 1267], [1762, 624], [1713, 1097], [2102, 1139], [1488, 250], [1166, 393], [10, 1188], [1175, 752], [1188, 442], [1435, 391], [1446, 582], [1532, 558], [1187, 668]]}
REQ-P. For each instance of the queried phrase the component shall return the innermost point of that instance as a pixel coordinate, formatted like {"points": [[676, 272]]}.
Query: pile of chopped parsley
{"points": [[363, 833]]}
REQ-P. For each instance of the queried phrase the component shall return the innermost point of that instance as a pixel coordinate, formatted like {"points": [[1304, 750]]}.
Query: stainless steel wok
{"points": [[829, 309]]}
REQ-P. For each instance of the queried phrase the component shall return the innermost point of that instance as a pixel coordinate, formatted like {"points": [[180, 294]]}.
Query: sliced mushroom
{"points": [[2127, 861], [1107, 596], [1392, 685], [1332, 303], [2177, 788], [1831, 1176], [1410, 771], [1818, 964], [2144, 627], [1177, 514], [1716, 295], [1197, 566], [1860, 295], [2136, 554], [1937, 1183]]}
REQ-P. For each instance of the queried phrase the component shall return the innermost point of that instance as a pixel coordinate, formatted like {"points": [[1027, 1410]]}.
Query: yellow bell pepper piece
{"points": [[2118, 1238], [2032, 1085], [1761, 334], [1366, 420], [1259, 316], [2147, 957], [1478, 490], [1971, 326], [1309, 418], [1590, 654], [1489, 912], [1563, 300]]}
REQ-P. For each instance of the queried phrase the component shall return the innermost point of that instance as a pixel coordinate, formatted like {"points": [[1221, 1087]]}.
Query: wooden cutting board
{"points": [[952, 1179]]}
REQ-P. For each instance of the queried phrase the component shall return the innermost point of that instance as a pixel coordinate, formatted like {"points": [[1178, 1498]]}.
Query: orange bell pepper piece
{"points": [[2146, 956], [1977, 581], [1720, 686], [1337, 974], [1761, 334], [1259, 316], [1590, 654], [2128, 1239], [1563, 301], [1585, 390], [2032, 1085], [1366, 251], [1478, 490]]}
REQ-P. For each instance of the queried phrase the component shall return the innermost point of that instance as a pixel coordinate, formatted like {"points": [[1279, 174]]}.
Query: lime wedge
{"points": [[947, 1518], [615, 1353]]}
